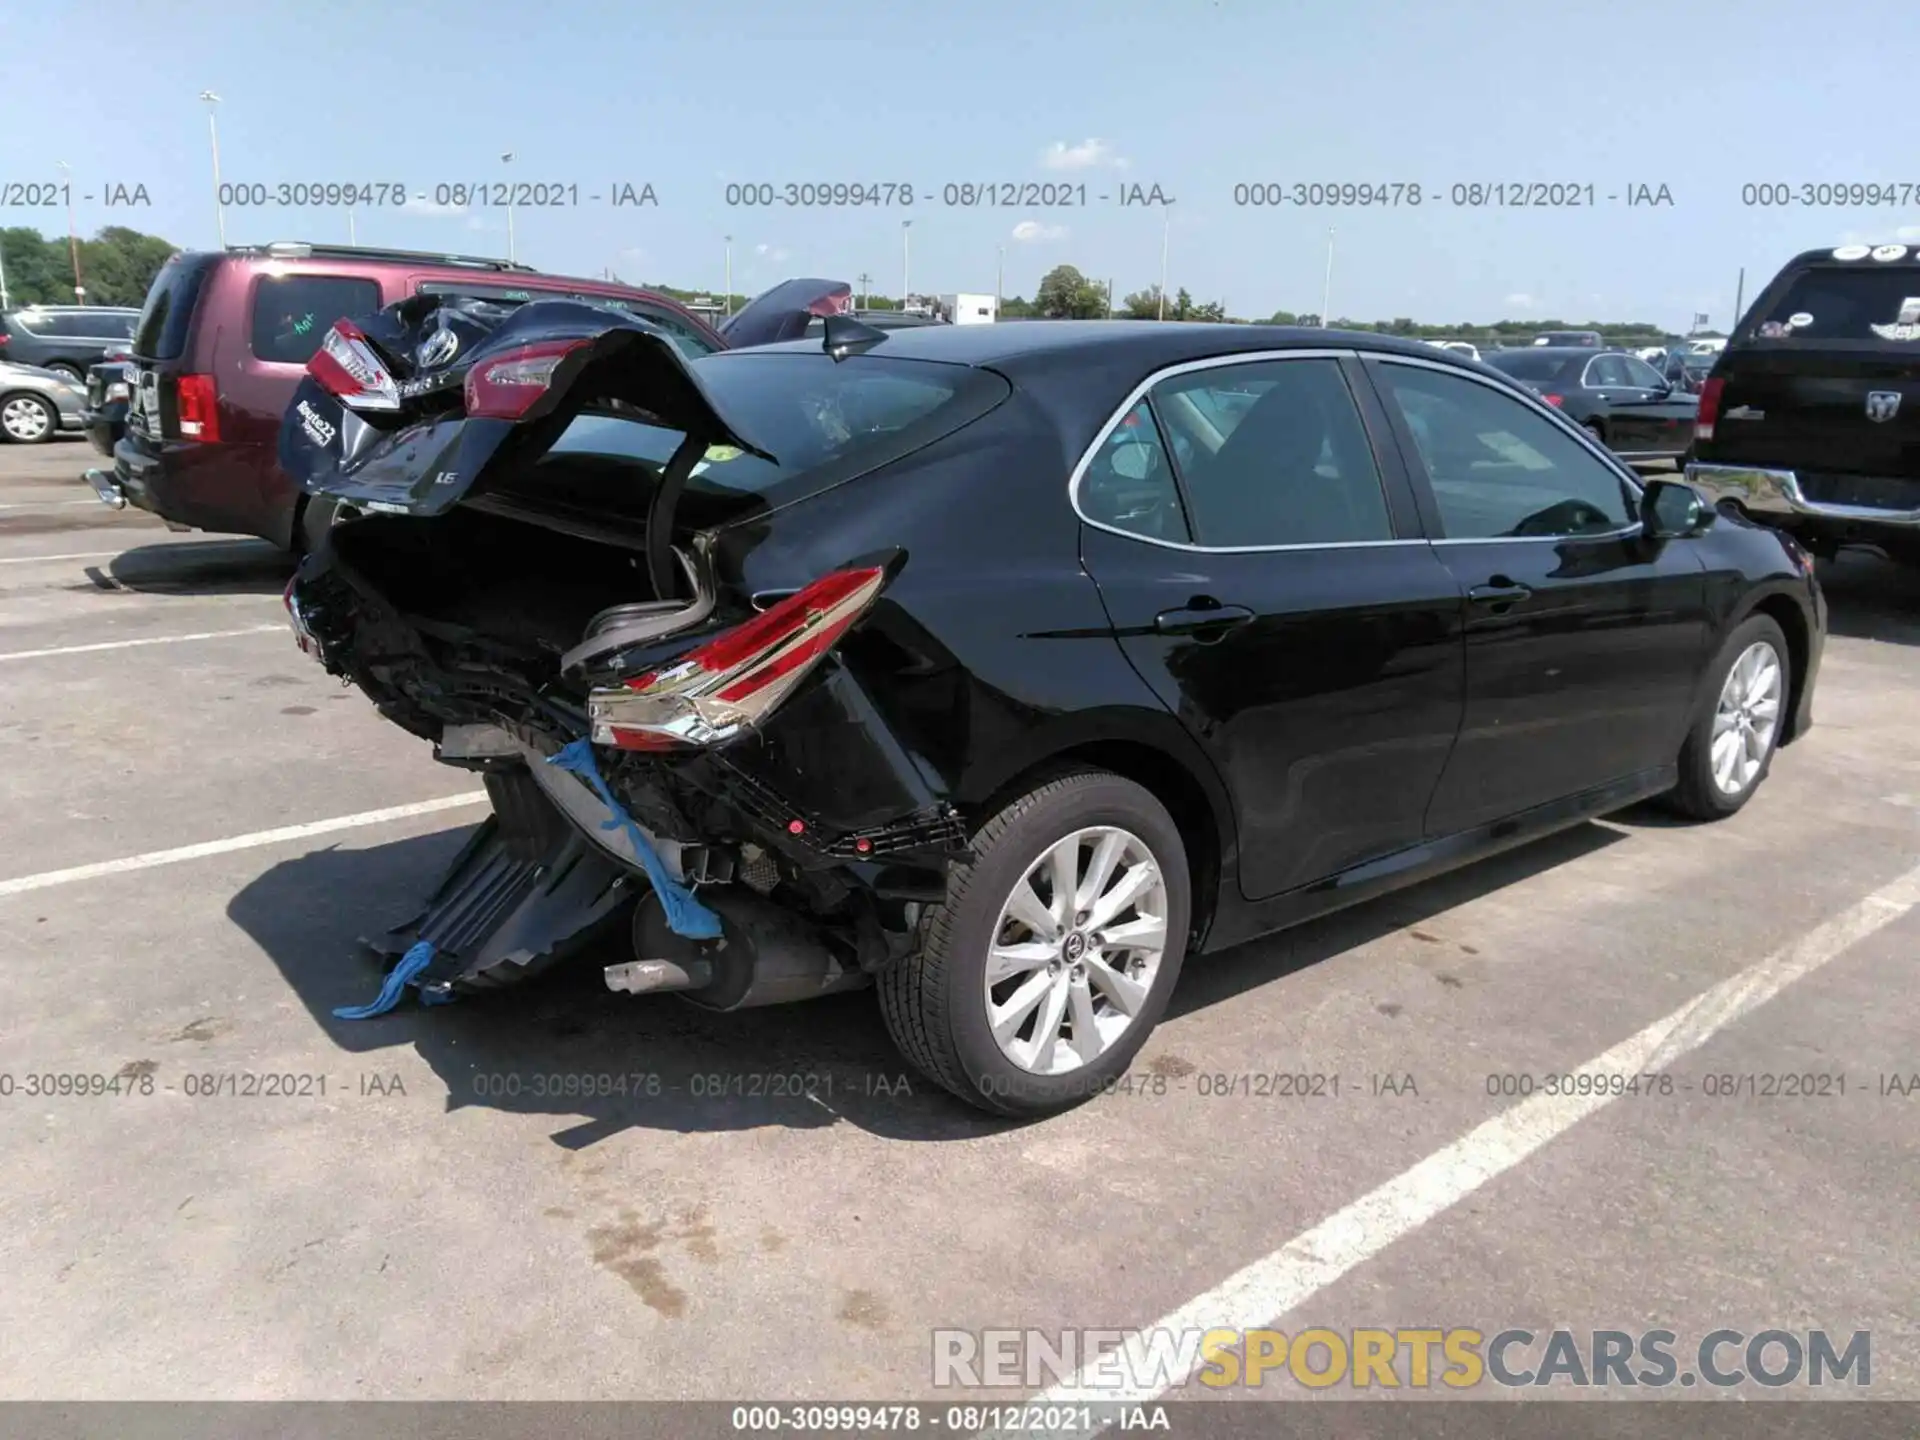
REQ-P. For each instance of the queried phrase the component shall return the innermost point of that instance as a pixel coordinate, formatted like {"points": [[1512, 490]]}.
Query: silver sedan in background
{"points": [[36, 404]]}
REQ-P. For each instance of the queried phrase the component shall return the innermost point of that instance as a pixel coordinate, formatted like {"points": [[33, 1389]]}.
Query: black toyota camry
{"points": [[1002, 668]]}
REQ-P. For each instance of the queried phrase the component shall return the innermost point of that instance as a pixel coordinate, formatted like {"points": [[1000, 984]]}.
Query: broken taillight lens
{"points": [[504, 386], [346, 365], [734, 681]]}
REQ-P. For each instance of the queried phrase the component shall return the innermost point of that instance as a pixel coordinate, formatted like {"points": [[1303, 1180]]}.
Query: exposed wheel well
{"points": [[1170, 782], [1793, 624]]}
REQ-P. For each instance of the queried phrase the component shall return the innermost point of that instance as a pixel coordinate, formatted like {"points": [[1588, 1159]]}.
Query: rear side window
{"points": [[292, 313], [1273, 453], [1129, 483], [1874, 306], [34, 322], [167, 317]]}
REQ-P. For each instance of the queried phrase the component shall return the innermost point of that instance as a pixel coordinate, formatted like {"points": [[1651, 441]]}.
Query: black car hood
{"points": [[424, 461]]}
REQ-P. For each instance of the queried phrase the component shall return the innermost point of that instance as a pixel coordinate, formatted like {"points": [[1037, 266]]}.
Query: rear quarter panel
{"points": [[990, 652]]}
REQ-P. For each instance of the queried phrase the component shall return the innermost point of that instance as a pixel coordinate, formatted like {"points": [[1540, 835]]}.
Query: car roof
{"points": [[1567, 352], [1007, 344]]}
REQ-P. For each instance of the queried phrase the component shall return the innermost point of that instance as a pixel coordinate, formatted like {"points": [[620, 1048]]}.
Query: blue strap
{"points": [[417, 958], [685, 915]]}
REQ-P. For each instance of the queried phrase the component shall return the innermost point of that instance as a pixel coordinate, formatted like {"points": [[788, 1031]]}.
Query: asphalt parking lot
{"points": [[428, 1229]]}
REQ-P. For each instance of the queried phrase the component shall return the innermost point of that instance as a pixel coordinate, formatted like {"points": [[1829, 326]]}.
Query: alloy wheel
{"points": [[25, 418], [1076, 950], [1746, 718]]}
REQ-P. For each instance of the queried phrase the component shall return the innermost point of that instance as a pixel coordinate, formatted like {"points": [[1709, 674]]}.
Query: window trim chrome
{"points": [[1216, 362], [1579, 433]]}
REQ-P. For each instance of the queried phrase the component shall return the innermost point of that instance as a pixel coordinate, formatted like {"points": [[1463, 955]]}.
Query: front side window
{"points": [[1498, 469], [1641, 374], [1607, 370], [292, 313], [1273, 453]]}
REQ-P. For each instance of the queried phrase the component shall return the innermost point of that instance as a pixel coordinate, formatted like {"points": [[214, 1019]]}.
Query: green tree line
{"points": [[116, 266]]}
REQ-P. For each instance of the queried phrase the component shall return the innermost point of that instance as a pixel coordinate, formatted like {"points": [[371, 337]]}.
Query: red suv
{"points": [[224, 340]]}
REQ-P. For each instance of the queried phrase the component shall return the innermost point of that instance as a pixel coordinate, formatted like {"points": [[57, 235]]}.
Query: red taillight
{"points": [[1709, 408], [346, 365], [734, 681], [1555, 400], [198, 407], [505, 386]]}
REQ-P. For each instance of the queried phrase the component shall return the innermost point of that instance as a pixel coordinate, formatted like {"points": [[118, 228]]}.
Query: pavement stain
{"points": [[865, 1309], [1452, 982], [137, 1069], [1171, 1066], [1389, 1008], [296, 710], [208, 1027], [772, 1241], [623, 1246]]}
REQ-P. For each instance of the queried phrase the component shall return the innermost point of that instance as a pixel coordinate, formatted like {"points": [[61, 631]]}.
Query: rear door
{"points": [[1583, 641], [1824, 379], [1257, 548]]}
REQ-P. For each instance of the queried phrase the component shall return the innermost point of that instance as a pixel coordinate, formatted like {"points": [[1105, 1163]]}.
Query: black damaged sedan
{"points": [[1003, 668]]}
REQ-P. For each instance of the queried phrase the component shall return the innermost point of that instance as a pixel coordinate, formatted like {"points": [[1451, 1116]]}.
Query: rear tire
{"points": [[1715, 782], [1595, 429], [1099, 997]]}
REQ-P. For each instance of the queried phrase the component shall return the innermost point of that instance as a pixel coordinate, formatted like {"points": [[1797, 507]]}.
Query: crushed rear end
{"points": [[665, 749]]}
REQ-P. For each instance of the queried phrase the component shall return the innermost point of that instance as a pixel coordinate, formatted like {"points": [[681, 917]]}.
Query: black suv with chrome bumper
{"points": [[1810, 421]]}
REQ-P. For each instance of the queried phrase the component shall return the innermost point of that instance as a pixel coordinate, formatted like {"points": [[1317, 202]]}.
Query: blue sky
{"points": [[1192, 95]]}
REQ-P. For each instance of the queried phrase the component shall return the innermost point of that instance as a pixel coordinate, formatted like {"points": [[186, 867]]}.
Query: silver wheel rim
{"points": [[25, 419], [1076, 950], [1746, 718]]}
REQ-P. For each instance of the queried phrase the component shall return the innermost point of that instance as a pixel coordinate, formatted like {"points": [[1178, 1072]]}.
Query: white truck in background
{"points": [[963, 309]]}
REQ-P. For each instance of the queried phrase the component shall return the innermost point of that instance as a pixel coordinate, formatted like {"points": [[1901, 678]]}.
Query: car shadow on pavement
{"points": [[1210, 979], [661, 1063], [1871, 598], [195, 567], [531, 1049]]}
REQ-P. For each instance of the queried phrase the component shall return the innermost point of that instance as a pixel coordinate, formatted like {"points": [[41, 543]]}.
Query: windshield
{"points": [[829, 421]]}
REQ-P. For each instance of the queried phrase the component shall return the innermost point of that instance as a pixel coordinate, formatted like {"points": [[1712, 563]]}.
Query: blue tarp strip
{"points": [[685, 915], [417, 958]]}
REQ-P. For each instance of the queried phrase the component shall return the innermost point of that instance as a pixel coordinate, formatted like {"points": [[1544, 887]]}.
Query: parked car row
{"points": [[65, 339]]}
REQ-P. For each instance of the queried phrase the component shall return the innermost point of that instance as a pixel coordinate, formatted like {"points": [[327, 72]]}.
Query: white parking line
{"points": [[148, 640], [1270, 1287], [47, 504], [70, 555], [152, 858]]}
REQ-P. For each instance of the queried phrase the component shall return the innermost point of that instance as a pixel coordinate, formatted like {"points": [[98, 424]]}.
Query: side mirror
{"points": [[1673, 510]]}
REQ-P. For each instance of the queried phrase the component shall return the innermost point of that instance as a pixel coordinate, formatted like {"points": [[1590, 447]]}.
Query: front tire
{"points": [[28, 419], [1731, 745], [1052, 959]]}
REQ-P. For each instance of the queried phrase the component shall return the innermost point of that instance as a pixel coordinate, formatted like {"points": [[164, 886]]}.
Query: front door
{"points": [[1267, 579], [1584, 641]]}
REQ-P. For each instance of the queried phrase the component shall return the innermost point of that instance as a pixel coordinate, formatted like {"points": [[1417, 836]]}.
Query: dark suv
{"points": [[226, 335], [1810, 419], [67, 339]]}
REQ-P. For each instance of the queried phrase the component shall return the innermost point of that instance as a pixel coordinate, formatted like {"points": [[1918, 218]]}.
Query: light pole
{"points": [[73, 239], [906, 261], [353, 237], [1166, 239], [1326, 294], [866, 290], [6, 303], [999, 282], [506, 158], [213, 134], [729, 240]]}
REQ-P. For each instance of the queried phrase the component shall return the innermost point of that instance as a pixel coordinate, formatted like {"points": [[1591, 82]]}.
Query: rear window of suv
{"points": [[1846, 304], [292, 313], [167, 317]]}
